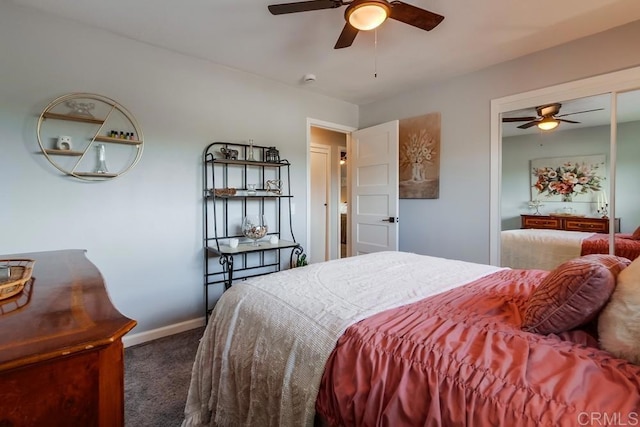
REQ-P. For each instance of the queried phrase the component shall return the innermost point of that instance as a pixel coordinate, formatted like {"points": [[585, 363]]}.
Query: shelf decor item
{"points": [[102, 163], [229, 154], [254, 227], [272, 155], [250, 156], [224, 192], [19, 273], [63, 143], [80, 108], [274, 186]]}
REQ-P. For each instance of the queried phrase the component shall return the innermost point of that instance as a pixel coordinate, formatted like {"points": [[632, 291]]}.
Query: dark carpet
{"points": [[156, 379]]}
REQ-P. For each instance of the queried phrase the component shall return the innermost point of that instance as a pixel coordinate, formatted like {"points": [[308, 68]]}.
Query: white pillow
{"points": [[619, 321]]}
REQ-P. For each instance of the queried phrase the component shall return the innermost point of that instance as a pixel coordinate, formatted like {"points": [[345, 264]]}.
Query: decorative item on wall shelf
{"points": [[274, 186], [222, 192], [568, 179], [229, 154], [250, 156], [272, 155], [82, 109], [419, 157], [85, 117], [102, 162], [63, 143], [254, 227]]}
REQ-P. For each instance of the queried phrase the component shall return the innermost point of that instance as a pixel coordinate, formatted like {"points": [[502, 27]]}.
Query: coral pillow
{"points": [[636, 234], [619, 322], [572, 294]]}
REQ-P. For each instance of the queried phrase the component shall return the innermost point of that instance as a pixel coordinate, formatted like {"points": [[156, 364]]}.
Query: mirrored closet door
{"points": [[562, 175]]}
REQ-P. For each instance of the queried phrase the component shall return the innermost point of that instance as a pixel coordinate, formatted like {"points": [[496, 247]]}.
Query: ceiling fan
{"points": [[363, 15], [547, 118]]}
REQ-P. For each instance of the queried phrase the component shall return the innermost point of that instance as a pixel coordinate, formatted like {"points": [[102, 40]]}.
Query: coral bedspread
{"points": [[599, 244], [261, 358], [460, 358]]}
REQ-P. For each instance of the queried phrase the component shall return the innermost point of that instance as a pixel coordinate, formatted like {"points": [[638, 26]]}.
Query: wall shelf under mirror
{"points": [[89, 137], [609, 127]]}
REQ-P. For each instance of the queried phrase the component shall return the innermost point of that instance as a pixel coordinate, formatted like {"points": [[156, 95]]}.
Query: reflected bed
{"points": [[546, 249]]}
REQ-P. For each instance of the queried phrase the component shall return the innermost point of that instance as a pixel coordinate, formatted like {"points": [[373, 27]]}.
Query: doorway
{"points": [[328, 210]]}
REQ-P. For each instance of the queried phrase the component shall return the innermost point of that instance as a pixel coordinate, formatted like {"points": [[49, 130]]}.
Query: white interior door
{"points": [[320, 174], [373, 169]]}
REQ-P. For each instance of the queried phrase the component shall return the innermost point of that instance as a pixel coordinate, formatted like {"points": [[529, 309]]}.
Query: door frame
{"points": [[332, 127]]}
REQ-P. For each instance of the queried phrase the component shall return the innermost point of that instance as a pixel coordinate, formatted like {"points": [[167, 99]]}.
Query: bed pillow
{"points": [[619, 322], [572, 294], [636, 234]]}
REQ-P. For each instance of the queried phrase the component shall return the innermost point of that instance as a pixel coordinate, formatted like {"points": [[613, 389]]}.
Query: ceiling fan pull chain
{"points": [[375, 53]]}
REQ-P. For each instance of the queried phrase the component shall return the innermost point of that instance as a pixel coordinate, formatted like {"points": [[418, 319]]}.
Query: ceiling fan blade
{"points": [[517, 119], [528, 125], [565, 120], [347, 36], [579, 112], [415, 16], [303, 6]]}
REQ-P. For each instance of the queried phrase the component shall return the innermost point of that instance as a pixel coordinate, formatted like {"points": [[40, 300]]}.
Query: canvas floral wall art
{"points": [[419, 157], [568, 179]]}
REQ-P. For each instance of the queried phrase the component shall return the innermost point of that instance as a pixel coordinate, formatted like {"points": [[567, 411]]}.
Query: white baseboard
{"points": [[165, 331]]}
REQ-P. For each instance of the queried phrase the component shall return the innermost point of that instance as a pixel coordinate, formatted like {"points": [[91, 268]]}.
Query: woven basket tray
{"points": [[20, 274]]}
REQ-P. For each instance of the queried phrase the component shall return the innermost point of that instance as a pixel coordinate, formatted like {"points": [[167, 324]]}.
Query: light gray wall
{"points": [[457, 224], [144, 229]]}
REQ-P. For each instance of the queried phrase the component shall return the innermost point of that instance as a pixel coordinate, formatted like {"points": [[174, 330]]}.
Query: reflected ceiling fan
{"points": [[363, 15], [547, 119]]}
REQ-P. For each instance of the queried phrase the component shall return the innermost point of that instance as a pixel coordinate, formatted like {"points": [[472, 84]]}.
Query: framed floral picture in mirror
{"points": [[569, 179]]}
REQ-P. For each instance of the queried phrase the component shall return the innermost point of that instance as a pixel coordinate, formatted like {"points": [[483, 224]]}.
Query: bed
{"points": [[546, 249], [395, 339]]}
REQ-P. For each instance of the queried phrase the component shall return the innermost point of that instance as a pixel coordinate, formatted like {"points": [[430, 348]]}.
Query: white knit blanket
{"points": [[540, 249], [263, 352]]}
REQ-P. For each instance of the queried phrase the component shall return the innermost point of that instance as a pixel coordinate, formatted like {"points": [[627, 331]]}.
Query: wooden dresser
{"points": [[61, 353], [569, 223]]}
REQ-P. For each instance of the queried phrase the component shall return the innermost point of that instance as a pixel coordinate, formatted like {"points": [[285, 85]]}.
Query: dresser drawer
{"points": [[532, 221], [583, 224]]}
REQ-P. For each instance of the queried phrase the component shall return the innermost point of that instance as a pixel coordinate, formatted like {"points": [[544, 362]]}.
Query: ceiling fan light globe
{"points": [[548, 124], [367, 15]]}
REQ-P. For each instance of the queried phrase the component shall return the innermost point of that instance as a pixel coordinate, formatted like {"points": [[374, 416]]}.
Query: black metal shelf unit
{"points": [[228, 172]]}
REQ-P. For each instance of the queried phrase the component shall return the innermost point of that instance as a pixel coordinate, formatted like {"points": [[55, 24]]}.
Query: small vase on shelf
{"points": [[102, 163], [250, 156]]}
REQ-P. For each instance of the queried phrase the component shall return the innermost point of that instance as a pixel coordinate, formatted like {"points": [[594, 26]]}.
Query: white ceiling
{"points": [[243, 35]]}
